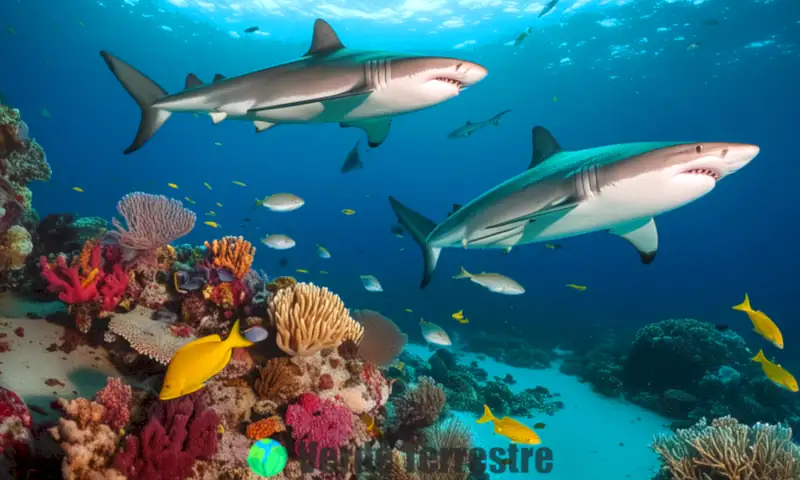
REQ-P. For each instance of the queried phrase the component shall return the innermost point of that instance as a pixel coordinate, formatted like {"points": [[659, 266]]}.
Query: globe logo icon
{"points": [[267, 458]]}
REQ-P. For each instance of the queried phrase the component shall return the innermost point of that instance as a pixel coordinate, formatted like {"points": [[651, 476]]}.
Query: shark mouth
{"points": [[704, 171], [451, 81]]}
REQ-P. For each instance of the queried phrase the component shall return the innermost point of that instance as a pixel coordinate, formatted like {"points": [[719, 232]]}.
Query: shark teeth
{"points": [[450, 81], [704, 171]]}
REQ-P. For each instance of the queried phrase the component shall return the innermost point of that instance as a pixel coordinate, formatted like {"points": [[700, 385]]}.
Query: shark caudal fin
{"points": [[419, 227], [146, 92]]}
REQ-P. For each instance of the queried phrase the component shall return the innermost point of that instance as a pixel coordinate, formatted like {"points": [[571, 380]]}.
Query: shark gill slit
{"points": [[501, 232], [586, 182]]}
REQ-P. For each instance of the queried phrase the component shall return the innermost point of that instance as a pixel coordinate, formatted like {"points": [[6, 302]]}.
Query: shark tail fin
{"points": [[419, 227], [145, 92], [745, 305]]}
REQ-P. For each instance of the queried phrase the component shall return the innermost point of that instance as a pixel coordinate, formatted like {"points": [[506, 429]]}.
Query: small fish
{"points": [[470, 128], [553, 246], [510, 428], [278, 241], [463, 321], [172, 185], [400, 365], [251, 29], [282, 202], [352, 161], [184, 282], [207, 185], [198, 361], [221, 429], [348, 211], [212, 224], [547, 7], [301, 270], [190, 200], [539, 426], [762, 324], [372, 426], [241, 184], [83, 25], [45, 113], [520, 38], [459, 315], [579, 288], [398, 230], [779, 375], [11, 31], [219, 144], [78, 189], [495, 282], [555, 99], [323, 272], [323, 252], [434, 334], [255, 334], [283, 261], [409, 310], [692, 46], [219, 205], [371, 284], [211, 213]]}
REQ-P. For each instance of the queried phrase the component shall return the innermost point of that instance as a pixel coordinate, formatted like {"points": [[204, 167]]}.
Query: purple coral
{"points": [[319, 423], [178, 433], [153, 221]]}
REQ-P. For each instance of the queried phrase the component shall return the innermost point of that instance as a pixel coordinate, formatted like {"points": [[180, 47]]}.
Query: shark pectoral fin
{"points": [[419, 228], [217, 117], [544, 146], [193, 81], [377, 130], [261, 126], [324, 39], [643, 237], [219, 77]]}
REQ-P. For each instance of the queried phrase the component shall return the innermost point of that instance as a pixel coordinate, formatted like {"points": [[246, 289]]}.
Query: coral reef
{"points": [[382, 341], [233, 253], [509, 349], [15, 424]]}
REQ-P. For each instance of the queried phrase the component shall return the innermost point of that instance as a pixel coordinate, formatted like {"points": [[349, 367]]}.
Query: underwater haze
{"points": [[592, 72]]}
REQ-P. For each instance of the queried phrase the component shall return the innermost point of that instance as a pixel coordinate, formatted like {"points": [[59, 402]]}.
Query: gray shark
{"points": [[616, 188], [469, 128], [329, 84], [352, 161]]}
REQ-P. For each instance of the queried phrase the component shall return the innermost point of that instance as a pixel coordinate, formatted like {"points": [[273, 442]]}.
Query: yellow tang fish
{"points": [[510, 428], [301, 270], [348, 211], [78, 189], [172, 185], [212, 224], [236, 182], [762, 324], [197, 362], [207, 185], [580, 288], [458, 315], [776, 373], [190, 200]]}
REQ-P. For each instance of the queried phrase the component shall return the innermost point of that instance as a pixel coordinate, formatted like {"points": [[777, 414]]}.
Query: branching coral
{"points": [[382, 340], [277, 380], [318, 423], [152, 220], [232, 253], [728, 450], [310, 318], [116, 398]]}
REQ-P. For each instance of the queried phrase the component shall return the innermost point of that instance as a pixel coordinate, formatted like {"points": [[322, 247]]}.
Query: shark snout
{"points": [[739, 155], [470, 73]]}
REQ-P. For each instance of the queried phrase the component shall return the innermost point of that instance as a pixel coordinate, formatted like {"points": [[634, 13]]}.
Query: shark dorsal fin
{"points": [[544, 146], [324, 40], [456, 207], [192, 81], [219, 77]]}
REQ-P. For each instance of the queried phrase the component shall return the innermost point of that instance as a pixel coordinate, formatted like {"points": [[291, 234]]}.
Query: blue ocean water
{"points": [[593, 72]]}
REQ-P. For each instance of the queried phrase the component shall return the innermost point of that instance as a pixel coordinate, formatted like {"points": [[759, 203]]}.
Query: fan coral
{"points": [[152, 220], [233, 253], [266, 427], [382, 340], [178, 433], [727, 449], [15, 246], [15, 423], [318, 424], [116, 398], [277, 380], [149, 337], [310, 318]]}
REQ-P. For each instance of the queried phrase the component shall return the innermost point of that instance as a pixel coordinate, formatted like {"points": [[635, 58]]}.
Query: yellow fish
{"points": [[324, 272], [197, 362], [762, 324], [219, 204], [458, 315], [462, 321], [190, 200], [776, 373], [236, 182], [580, 288], [348, 211], [409, 310], [369, 422], [400, 365], [212, 224], [207, 185], [172, 185], [221, 429], [78, 189], [552, 246], [211, 213], [510, 428], [301, 270]]}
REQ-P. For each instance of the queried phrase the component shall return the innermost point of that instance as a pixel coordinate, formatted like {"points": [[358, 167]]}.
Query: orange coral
{"points": [[234, 253], [165, 256], [266, 427], [85, 258]]}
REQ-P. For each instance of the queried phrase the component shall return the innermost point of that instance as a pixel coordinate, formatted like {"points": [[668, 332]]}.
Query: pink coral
{"points": [[15, 423], [116, 397], [317, 424], [113, 288], [68, 283], [178, 433], [152, 220], [377, 386]]}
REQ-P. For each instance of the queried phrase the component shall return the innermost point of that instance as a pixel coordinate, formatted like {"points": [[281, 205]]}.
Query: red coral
{"points": [[113, 288], [15, 423], [116, 397], [376, 383], [318, 422], [178, 433], [68, 283]]}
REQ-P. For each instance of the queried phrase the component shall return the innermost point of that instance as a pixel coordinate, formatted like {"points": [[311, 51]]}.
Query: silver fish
{"points": [[371, 284], [495, 282], [278, 241], [256, 334], [434, 333], [283, 202]]}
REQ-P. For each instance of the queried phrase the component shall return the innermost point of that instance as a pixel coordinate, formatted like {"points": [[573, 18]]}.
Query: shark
{"points": [[471, 127], [329, 84], [615, 188]]}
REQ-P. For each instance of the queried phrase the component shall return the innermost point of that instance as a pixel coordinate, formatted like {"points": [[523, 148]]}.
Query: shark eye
{"points": [[698, 149]]}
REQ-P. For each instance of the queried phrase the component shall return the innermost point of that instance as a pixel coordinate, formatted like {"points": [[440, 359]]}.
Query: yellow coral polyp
{"points": [[233, 253]]}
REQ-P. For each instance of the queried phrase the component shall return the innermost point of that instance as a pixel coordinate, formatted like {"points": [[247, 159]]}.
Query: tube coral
{"points": [[232, 253]]}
